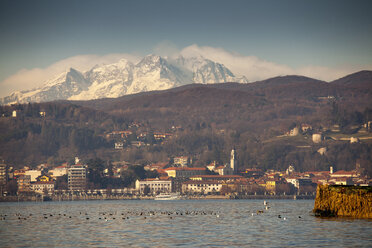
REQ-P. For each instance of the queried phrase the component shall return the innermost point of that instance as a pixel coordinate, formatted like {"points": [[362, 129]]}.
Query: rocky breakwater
{"points": [[343, 201]]}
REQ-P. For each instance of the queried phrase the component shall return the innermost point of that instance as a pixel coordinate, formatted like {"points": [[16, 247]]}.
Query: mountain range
{"points": [[124, 77], [208, 119]]}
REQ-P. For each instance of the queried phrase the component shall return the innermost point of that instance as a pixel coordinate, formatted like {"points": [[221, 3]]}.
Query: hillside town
{"points": [[213, 180]]}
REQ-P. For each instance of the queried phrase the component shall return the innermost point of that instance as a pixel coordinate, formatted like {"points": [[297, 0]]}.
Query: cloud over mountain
{"points": [[253, 68]]}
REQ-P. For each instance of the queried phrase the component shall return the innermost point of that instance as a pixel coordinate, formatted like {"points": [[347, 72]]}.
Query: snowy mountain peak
{"points": [[123, 77]]}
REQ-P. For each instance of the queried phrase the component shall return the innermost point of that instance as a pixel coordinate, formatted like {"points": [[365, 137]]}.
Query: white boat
{"points": [[168, 196]]}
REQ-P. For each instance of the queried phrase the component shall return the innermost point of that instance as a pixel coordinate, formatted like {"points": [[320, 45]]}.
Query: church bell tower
{"points": [[233, 161]]}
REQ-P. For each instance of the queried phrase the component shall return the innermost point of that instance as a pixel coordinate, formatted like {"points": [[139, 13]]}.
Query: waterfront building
{"points": [[24, 183], [154, 185], [3, 177], [204, 187], [43, 186], [77, 176]]}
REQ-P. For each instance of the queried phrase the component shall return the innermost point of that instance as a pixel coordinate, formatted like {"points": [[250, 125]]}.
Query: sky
{"points": [[258, 39]]}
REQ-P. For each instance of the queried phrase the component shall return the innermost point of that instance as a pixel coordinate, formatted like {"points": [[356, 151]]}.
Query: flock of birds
{"points": [[106, 216], [113, 215]]}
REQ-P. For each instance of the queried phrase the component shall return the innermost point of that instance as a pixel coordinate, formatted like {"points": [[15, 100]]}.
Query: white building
{"points": [[155, 185], [77, 176], [205, 187], [226, 170], [233, 162], [294, 131], [59, 171], [182, 161], [33, 174], [41, 187], [119, 145]]}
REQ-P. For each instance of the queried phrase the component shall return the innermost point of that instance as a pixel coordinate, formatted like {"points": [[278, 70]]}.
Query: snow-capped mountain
{"points": [[122, 78]]}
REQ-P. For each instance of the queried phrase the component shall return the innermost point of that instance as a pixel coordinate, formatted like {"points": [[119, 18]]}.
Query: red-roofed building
{"points": [[342, 173], [341, 181], [157, 166], [253, 172], [222, 178], [185, 172]]}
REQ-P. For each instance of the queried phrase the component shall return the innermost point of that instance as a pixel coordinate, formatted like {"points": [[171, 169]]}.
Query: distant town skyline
{"points": [[257, 39]]}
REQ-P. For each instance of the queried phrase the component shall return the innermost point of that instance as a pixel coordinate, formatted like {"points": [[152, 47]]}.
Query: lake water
{"points": [[187, 223]]}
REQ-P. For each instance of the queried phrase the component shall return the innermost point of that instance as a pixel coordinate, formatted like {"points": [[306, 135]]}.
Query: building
{"points": [[341, 181], [181, 161], [203, 187], [43, 187], [233, 162], [33, 174], [3, 174], [154, 185], [119, 145], [317, 137], [3, 177], [306, 127], [59, 171], [290, 170], [253, 172], [77, 176], [154, 167], [342, 173], [220, 178], [226, 170], [184, 172], [44, 178], [294, 131], [24, 183], [161, 136]]}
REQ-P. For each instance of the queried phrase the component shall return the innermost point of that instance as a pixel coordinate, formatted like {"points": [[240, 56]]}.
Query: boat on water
{"points": [[168, 196]]}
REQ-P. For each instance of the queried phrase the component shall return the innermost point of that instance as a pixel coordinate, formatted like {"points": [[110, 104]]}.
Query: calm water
{"points": [[205, 223]]}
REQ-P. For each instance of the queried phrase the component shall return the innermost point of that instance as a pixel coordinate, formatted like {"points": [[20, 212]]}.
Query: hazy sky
{"points": [[335, 36]]}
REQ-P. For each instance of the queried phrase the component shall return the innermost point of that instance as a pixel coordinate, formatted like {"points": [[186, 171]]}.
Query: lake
{"points": [[187, 223]]}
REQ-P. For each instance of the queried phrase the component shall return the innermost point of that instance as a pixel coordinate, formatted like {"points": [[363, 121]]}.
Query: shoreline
{"points": [[103, 198]]}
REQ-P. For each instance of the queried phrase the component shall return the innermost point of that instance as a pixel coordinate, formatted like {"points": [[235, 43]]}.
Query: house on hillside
{"points": [[306, 127], [182, 161]]}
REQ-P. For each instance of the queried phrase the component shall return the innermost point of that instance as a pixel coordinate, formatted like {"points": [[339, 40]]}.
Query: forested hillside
{"points": [[204, 122]]}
